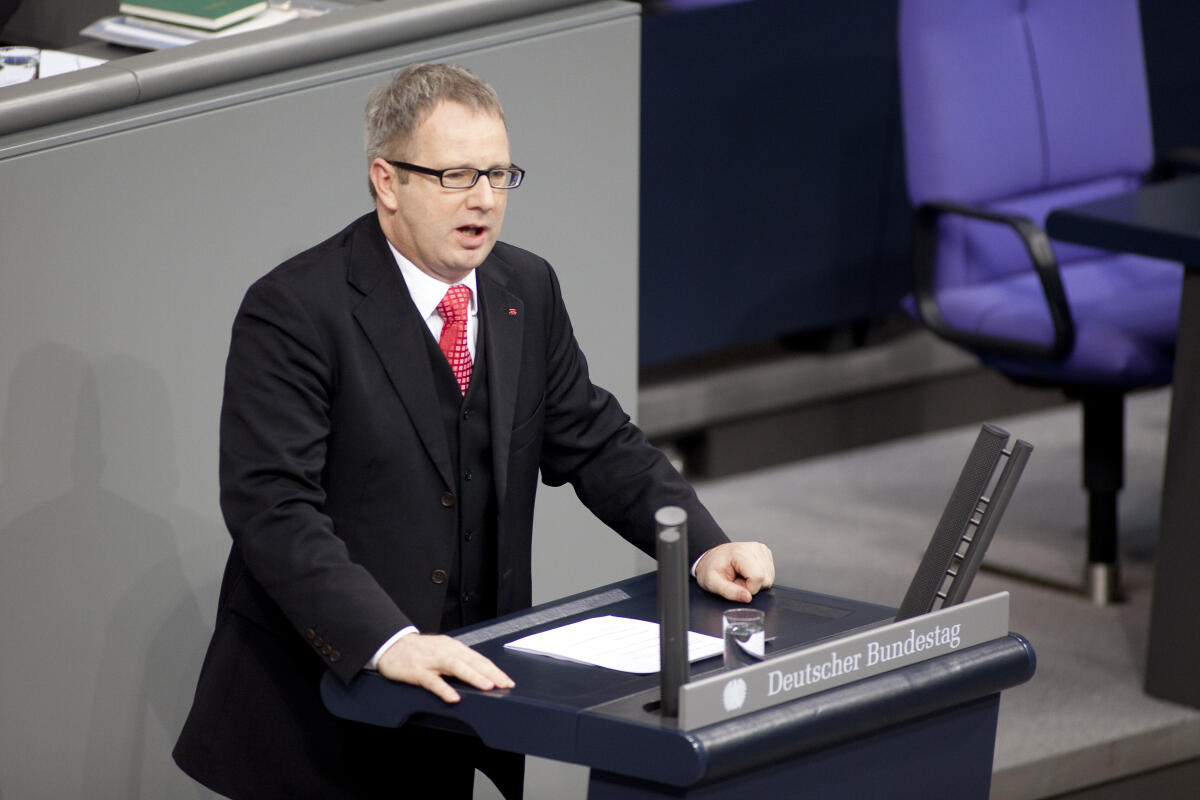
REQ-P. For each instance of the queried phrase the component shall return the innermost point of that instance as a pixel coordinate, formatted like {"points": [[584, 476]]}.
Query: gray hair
{"points": [[395, 110]]}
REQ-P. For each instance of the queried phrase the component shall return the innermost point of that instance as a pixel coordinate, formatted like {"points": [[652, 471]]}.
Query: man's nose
{"points": [[482, 195]]}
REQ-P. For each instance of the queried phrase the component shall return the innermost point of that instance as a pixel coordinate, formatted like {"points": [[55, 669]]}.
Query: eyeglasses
{"points": [[465, 177]]}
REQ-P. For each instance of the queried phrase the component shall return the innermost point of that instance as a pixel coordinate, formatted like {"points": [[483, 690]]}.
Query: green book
{"points": [[210, 15]]}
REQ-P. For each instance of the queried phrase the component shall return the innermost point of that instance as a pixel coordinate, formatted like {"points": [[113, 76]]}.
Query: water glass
{"points": [[745, 636]]}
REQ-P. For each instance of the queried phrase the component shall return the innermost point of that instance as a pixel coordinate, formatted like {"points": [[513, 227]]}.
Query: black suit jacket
{"points": [[336, 480]]}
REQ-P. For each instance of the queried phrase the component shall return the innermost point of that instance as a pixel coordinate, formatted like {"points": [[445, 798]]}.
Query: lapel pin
{"points": [[512, 312]]}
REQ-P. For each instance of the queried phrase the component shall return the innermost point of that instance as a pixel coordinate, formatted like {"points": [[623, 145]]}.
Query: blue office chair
{"points": [[1012, 108]]}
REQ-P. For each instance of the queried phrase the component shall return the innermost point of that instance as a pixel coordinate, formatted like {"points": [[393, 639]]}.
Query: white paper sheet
{"points": [[56, 62], [620, 643]]}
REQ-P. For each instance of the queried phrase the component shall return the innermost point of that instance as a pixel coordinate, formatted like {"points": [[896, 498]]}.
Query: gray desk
{"points": [[1163, 221]]}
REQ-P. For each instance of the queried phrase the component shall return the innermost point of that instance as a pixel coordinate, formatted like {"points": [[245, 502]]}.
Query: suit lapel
{"points": [[390, 322], [502, 320]]}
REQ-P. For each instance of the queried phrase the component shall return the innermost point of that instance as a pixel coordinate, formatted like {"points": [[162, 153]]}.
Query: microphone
{"points": [[671, 526]]}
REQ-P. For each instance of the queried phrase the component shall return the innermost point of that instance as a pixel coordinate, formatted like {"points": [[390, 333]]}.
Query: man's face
{"points": [[445, 232]]}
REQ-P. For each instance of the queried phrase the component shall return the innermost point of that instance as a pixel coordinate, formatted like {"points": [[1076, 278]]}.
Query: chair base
{"points": [[1102, 583]]}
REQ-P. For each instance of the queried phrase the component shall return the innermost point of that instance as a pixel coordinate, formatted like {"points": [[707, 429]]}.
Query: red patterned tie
{"points": [[453, 341]]}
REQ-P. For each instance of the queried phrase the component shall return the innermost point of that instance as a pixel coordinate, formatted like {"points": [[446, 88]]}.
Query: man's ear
{"points": [[383, 178]]}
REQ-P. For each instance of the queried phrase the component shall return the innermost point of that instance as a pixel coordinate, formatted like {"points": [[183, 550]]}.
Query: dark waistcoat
{"points": [[471, 578]]}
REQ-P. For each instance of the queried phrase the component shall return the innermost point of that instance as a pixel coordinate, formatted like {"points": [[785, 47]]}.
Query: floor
{"points": [[844, 464], [856, 523]]}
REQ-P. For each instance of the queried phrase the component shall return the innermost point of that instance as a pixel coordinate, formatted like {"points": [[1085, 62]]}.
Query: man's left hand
{"points": [[736, 570]]}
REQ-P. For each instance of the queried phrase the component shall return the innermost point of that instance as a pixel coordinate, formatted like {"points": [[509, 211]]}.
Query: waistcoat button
{"points": [[448, 499], [438, 576]]}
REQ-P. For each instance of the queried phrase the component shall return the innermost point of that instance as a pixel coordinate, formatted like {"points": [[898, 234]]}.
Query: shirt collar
{"points": [[427, 291]]}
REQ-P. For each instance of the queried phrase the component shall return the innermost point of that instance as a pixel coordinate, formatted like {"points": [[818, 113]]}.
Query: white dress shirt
{"points": [[427, 291]]}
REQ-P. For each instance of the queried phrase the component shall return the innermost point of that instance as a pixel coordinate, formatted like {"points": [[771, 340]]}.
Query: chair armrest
{"points": [[1178, 162], [1044, 263]]}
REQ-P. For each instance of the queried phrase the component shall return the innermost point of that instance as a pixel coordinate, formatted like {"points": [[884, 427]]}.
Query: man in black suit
{"points": [[376, 495]]}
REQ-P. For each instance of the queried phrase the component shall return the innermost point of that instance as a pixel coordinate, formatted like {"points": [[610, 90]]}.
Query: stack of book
{"points": [[207, 15], [161, 24]]}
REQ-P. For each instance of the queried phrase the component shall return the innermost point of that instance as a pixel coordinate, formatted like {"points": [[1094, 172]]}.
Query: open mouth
{"points": [[472, 230]]}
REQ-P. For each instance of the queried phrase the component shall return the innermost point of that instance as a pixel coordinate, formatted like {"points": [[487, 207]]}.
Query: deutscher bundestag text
{"points": [[874, 654]]}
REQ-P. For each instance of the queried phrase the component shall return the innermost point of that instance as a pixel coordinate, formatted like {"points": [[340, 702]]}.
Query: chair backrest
{"points": [[1020, 105]]}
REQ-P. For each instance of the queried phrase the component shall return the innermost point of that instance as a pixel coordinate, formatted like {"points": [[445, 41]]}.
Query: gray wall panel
{"points": [[122, 262]]}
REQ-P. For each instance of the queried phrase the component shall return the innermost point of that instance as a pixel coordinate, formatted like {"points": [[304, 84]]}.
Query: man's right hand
{"points": [[422, 659]]}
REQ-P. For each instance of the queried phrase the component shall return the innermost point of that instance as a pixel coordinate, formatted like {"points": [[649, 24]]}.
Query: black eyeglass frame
{"points": [[440, 174]]}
